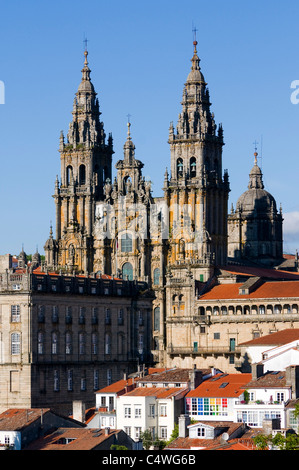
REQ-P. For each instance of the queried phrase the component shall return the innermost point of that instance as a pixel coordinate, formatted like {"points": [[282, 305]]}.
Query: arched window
{"points": [[126, 243], [156, 276], [180, 167], [82, 174], [127, 271], [69, 173], [157, 319], [193, 167]]}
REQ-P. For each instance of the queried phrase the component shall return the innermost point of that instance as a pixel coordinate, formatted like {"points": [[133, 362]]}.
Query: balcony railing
{"points": [[203, 350]]}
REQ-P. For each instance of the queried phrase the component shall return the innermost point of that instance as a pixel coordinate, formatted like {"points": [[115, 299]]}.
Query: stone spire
{"points": [[256, 176], [86, 127], [195, 120], [129, 147]]}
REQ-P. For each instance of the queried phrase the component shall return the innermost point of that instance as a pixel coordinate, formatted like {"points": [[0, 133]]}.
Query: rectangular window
{"points": [[201, 432], [280, 397], [70, 380], [56, 381], [137, 433], [137, 412], [15, 343], [163, 410], [15, 313], [127, 412], [163, 432], [126, 243], [152, 411], [95, 379]]}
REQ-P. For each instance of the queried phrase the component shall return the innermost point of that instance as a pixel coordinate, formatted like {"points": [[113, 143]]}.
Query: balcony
{"points": [[202, 350]]}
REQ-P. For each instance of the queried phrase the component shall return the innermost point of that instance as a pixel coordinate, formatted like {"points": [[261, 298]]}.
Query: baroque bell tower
{"points": [[197, 191], [86, 164]]}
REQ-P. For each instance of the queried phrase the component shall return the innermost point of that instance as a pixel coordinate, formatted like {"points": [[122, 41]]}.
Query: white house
{"points": [[150, 408], [215, 398], [272, 345], [106, 402], [268, 394]]}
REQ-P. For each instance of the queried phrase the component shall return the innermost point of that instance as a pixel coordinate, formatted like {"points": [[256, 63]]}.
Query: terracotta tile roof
{"points": [[157, 392], [187, 443], [72, 439], [16, 419], [275, 379], [275, 339], [236, 444], [260, 272], [267, 290], [216, 443], [171, 376], [118, 387], [221, 386]]}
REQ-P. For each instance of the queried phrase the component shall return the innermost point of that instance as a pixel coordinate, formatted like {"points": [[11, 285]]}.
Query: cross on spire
{"points": [[85, 41], [194, 29]]}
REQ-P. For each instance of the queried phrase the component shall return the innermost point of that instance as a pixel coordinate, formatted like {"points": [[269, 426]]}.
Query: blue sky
{"points": [[139, 54]]}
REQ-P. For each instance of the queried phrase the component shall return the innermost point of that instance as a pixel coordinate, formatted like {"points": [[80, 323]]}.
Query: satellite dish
{"points": [[225, 436]]}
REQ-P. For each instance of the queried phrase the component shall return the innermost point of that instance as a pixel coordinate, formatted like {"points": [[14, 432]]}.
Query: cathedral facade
{"points": [[175, 243]]}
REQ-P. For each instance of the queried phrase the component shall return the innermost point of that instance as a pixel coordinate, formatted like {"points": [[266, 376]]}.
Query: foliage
{"points": [[147, 439], [117, 447], [288, 442]]}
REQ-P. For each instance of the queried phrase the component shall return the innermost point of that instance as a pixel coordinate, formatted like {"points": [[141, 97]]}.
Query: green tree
{"points": [[147, 439]]}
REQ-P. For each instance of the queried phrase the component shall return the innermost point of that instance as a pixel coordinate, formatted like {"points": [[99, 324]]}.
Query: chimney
{"points": [[292, 379], [195, 376], [184, 421], [107, 431], [79, 411], [257, 370]]}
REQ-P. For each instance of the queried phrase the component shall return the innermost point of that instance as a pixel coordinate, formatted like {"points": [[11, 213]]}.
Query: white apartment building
{"points": [[150, 408]]}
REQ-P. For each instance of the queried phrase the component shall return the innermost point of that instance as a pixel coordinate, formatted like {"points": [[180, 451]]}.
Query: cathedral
{"points": [[114, 225]]}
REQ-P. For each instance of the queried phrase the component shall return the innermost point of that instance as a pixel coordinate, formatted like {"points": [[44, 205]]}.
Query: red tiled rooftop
{"points": [[267, 290], [80, 439], [260, 272], [215, 386], [118, 387], [275, 339], [15, 419], [158, 392]]}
